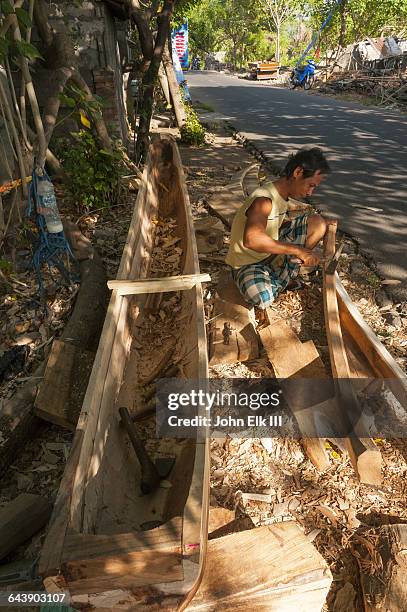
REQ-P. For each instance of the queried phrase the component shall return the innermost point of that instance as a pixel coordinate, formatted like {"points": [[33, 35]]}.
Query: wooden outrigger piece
{"points": [[364, 454], [157, 285]]}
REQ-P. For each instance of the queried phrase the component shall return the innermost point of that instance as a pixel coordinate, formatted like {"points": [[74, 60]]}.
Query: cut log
{"points": [[219, 517], [292, 358], [20, 519], [364, 454], [242, 341], [385, 589], [164, 84], [86, 321], [227, 290], [61, 393], [209, 233], [81, 245], [266, 568]]}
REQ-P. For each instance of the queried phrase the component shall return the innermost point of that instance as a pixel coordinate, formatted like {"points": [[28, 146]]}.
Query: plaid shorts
{"points": [[262, 282]]}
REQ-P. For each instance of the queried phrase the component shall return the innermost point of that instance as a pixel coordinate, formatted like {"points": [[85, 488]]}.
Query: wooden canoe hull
{"points": [[381, 362], [156, 563]]}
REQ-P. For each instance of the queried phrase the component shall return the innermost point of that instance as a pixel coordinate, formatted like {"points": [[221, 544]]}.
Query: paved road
{"points": [[366, 148]]}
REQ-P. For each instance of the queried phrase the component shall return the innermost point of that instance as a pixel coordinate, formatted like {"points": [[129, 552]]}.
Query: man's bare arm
{"points": [[256, 238]]}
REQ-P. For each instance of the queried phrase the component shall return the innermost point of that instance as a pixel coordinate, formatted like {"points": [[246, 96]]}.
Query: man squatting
{"points": [[266, 249]]}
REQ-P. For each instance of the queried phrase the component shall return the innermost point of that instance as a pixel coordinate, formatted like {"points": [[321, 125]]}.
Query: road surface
{"points": [[366, 148]]}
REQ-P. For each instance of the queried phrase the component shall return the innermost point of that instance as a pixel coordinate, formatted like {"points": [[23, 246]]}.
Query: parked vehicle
{"points": [[303, 76], [196, 64]]}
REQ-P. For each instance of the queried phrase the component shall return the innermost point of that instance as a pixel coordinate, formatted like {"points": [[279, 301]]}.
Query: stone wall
{"points": [[95, 33]]}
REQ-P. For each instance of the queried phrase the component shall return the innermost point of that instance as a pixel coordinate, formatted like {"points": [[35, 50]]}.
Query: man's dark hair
{"points": [[310, 160]]}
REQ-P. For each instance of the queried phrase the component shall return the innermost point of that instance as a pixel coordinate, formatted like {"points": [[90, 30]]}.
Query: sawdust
{"points": [[333, 508]]}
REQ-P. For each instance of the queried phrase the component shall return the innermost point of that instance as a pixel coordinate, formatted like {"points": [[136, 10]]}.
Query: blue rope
{"points": [[48, 247], [316, 35]]}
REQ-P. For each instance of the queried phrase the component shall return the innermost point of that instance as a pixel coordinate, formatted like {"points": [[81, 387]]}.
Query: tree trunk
{"points": [[343, 23], [278, 29], [151, 75], [59, 52]]}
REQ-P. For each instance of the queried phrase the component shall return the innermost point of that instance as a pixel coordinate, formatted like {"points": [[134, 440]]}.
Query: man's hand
{"points": [[308, 256]]}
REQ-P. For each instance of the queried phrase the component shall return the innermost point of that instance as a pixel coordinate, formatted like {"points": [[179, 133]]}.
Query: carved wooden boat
{"points": [[356, 353], [102, 545]]}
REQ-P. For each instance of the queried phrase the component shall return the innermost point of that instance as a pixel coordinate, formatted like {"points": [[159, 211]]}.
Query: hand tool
{"points": [[331, 263], [151, 473]]}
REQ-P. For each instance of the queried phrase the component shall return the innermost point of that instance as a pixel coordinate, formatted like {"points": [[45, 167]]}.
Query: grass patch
{"points": [[204, 106]]}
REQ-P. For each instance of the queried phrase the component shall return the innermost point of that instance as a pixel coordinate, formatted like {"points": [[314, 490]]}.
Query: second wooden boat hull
{"points": [[98, 541]]}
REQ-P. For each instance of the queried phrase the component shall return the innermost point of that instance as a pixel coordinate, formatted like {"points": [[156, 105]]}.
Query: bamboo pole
{"points": [[10, 120], [177, 105], [23, 109], [39, 128]]}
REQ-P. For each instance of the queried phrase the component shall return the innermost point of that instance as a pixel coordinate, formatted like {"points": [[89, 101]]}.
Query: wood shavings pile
{"points": [[271, 479], [161, 314]]}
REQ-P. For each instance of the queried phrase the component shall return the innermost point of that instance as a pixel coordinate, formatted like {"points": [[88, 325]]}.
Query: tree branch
{"points": [[98, 119]]}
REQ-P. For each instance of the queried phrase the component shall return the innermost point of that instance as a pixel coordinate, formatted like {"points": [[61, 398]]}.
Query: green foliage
{"points": [[4, 48], [27, 49], [236, 27], [15, 48], [193, 131], [6, 8], [93, 173], [23, 18], [5, 266], [80, 108], [246, 29], [74, 97], [356, 19]]}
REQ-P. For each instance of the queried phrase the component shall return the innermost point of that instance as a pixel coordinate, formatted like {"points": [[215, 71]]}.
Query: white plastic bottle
{"points": [[48, 206]]}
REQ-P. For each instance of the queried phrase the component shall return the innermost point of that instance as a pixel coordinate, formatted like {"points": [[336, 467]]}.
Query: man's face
{"points": [[302, 187]]}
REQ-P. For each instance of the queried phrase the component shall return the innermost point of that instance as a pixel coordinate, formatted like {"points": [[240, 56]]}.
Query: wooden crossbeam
{"points": [[157, 285]]}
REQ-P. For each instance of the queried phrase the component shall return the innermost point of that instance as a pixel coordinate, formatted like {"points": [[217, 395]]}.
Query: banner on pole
{"points": [[180, 44]]}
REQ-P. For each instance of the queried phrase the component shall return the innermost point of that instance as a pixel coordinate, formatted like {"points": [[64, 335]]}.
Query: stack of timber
{"points": [[384, 88], [104, 536], [262, 71]]}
